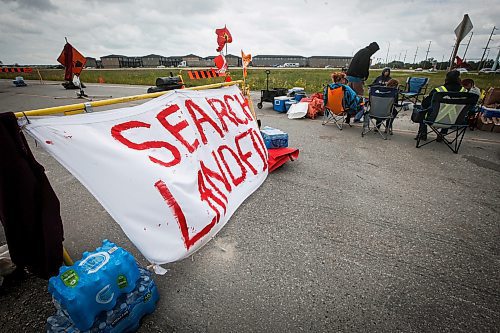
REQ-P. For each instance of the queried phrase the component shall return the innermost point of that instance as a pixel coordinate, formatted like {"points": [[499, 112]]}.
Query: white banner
{"points": [[171, 171]]}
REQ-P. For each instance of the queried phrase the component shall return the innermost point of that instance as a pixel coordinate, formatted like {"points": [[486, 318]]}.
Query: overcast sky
{"points": [[32, 32]]}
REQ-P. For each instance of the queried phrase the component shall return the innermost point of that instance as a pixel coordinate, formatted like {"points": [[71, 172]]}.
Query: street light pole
{"points": [[488, 43]]}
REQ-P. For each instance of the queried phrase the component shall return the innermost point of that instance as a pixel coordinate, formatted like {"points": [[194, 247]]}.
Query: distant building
{"points": [[173, 61], [278, 60], [91, 62], [331, 61], [112, 61], [154, 60], [233, 61], [120, 61], [192, 60]]}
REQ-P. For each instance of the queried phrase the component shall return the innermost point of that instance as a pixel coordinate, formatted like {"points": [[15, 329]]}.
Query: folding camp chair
{"points": [[449, 110], [334, 107], [381, 101], [414, 89]]}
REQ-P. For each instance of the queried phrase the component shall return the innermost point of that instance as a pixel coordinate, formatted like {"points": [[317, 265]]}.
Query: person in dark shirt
{"points": [[358, 70], [383, 78], [451, 83]]}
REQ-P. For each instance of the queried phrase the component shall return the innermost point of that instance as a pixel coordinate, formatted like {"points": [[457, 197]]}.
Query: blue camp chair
{"points": [[381, 101], [449, 111], [414, 89]]}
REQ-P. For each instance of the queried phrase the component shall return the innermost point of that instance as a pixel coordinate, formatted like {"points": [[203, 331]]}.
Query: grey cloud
{"points": [[44, 5], [311, 27]]}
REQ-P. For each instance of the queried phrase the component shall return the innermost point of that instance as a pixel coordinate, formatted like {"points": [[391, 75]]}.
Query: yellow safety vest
{"points": [[443, 89]]}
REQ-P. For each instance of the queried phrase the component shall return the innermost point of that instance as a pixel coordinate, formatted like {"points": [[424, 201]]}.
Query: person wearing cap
{"points": [[451, 83]]}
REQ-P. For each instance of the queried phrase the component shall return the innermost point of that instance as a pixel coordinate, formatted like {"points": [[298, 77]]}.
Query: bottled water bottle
{"points": [[93, 284], [124, 317]]}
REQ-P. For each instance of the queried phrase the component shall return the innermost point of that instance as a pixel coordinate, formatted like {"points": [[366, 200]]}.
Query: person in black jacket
{"points": [[383, 78], [451, 83], [359, 67]]}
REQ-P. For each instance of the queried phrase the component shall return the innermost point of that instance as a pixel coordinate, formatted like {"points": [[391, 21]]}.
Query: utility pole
{"points": [[441, 64], [404, 60], [488, 43], [415, 57], [472, 33], [495, 64], [387, 55], [427, 53]]}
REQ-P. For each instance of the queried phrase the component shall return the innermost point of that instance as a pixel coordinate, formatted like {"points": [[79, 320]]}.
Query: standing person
{"points": [[451, 83], [383, 78], [359, 68]]}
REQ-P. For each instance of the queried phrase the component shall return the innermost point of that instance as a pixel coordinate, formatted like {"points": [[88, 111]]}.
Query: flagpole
{"points": [[81, 107]]}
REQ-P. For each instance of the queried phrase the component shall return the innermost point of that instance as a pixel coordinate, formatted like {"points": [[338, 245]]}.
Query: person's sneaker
{"points": [[390, 131]]}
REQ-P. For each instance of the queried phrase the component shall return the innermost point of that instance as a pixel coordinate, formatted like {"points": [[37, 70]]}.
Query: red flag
{"points": [[220, 63], [223, 37], [72, 60], [245, 59]]}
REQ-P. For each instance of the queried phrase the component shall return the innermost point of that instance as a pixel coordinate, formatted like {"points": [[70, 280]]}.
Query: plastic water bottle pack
{"points": [[93, 285], [124, 317]]}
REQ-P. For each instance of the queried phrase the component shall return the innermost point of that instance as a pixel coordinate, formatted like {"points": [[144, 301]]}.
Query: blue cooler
{"points": [[490, 112], [274, 138], [299, 95], [279, 103]]}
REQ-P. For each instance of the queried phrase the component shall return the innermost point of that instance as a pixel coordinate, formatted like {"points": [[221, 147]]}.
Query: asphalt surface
{"points": [[357, 235]]}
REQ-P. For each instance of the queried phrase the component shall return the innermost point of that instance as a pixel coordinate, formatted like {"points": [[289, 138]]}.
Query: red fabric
{"points": [[223, 37], [72, 60], [279, 156], [220, 63], [316, 106]]}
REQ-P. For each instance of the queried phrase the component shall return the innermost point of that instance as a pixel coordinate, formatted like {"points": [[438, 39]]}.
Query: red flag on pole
{"points": [[223, 37], [72, 60], [245, 59]]}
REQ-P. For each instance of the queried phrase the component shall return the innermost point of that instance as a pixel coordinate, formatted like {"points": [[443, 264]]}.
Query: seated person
{"points": [[383, 78], [392, 83], [469, 85], [352, 102], [451, 83]]}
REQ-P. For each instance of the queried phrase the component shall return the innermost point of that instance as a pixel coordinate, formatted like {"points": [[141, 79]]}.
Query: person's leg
{"points": [[440, 136], [390, 121], [358, 116], [422, 131], [357, 87]]}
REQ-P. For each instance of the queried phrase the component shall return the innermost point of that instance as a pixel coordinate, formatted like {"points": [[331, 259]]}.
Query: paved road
{"points": [[357, 235]]}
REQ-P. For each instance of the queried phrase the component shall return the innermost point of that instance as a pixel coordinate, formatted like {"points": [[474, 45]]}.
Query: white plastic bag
{"points": [[298, 110]]}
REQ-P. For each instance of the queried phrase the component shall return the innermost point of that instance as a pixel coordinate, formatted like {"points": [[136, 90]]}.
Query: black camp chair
{"points": [[381, 100], [449, 111]]}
